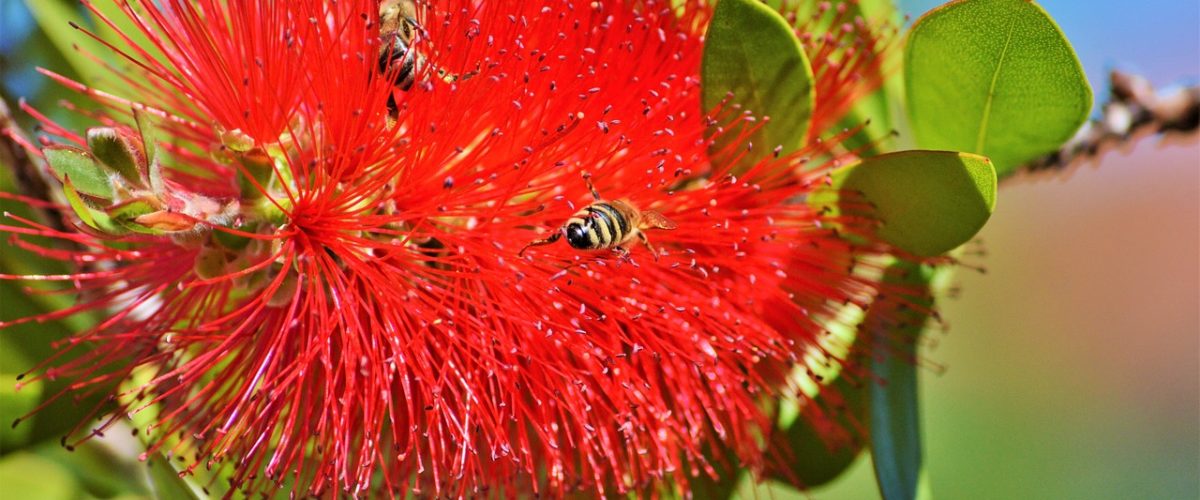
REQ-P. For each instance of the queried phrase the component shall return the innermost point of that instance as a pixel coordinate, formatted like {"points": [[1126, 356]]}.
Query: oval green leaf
{"points": [[895, 327], [928, 202], [996, 78], [895, 427], [819, 434], [819, 454], [752, 57], [88, 176]]}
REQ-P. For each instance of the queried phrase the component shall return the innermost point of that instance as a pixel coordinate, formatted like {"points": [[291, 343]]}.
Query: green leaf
{"points": [[996, 78], [55, 18], [823, 442], [94, 218], [77, 204], [26, 475], [895, 326], [929, 202], [124, 27], [133, 208], [129, 215], [819, 435], [751, 53], [86, 174], [166, 484], [703, 486], [33, 341], [895, 428], [15, 403], [116, 151], [102, 467], [149, 133]]}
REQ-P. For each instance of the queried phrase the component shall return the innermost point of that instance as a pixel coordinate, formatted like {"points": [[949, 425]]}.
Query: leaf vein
{"points": [[987, 105]]}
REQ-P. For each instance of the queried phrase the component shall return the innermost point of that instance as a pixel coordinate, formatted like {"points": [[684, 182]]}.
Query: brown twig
{"points": [[31, 179], [1134, 110]]}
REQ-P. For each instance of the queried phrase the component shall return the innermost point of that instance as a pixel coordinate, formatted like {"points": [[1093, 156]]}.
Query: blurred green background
{"points": [[1073, 365]]}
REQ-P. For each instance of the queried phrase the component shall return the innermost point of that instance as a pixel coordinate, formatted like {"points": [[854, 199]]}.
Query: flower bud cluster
{"points": [[116, 186]]}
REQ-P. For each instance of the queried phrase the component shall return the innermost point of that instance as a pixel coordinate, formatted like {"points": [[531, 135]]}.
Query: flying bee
{"points": [[607, 224]]}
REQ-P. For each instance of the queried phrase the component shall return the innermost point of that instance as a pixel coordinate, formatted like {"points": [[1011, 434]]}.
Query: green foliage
{"points": [[92, 217], [13, 402], [30, 341], [823, 442], [991, 77], [55, 18], [27, 343], [895, 326], [167, 484], [87, 175], [874, 112], [119, 153], [149, 132], [752, 57], [929, 202], [132, 209], [99, 468], [996, 78], [32, 476]]}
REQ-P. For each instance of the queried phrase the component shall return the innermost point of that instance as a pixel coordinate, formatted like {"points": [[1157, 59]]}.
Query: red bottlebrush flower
{"points": [[325, 284]]}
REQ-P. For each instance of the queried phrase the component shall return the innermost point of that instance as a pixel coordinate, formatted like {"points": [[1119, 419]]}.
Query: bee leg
{"points": [[622, 253], [646, 241], [587, 179], [537, 243]]}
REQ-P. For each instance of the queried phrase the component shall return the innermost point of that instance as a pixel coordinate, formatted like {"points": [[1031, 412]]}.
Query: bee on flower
{"points": [[306, 226]]}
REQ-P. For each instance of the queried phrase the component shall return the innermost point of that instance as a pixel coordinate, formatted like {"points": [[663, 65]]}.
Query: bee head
{"points": [[577, 236]]}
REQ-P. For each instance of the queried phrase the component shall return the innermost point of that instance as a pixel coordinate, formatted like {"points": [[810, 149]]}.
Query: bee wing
{"points": [[655, 219]]}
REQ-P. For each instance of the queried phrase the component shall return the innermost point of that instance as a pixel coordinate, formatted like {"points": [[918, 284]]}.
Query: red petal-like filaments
{"points": [[368, 322]]}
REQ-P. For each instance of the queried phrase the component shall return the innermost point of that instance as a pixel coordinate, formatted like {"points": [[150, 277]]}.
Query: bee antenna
{"points": [[587, 180]]}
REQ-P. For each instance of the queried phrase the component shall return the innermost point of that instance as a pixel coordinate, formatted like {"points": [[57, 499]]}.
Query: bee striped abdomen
{"points": [[597, 227], [395, 57]]}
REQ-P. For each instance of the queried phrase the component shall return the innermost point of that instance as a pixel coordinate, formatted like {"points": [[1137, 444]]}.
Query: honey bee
{"points": [[607, 224], [398, 30], [399, 33]]}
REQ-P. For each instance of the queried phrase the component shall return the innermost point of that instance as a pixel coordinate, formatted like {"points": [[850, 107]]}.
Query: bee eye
{"points": [[407, 31], [577, 236]]}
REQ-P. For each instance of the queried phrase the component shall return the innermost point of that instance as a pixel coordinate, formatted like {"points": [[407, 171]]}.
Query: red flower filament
{"points": [[337, 302]]}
